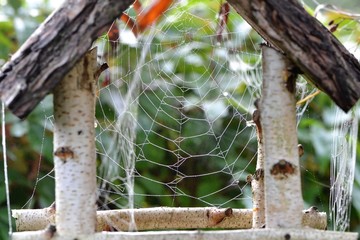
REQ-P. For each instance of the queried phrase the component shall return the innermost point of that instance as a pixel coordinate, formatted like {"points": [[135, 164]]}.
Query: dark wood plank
{"points": [[53, 49], [320, 56]]}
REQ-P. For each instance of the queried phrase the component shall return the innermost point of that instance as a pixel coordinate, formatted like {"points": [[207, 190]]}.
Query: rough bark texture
{"points": [[324, 60], [74, 149], [53, 49], [283, 198], [161, 218]]}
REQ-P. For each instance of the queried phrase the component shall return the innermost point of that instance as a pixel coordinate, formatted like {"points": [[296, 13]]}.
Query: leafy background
{"points": [[30, 141]]}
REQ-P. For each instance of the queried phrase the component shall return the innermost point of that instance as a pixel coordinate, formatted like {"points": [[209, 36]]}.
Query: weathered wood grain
{"points": [[320, 56], [53, 49]]}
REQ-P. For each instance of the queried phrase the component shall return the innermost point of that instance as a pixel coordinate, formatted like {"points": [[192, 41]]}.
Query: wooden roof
{"points": [[66, 35], [53, 49], [303, 39]]}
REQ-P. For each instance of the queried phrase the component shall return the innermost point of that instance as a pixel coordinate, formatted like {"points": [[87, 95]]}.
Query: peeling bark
{"points": [[53, 49], [305, 41], [257, 181]]}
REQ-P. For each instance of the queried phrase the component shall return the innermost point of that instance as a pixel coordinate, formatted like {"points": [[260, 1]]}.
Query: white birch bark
{"points": [[257, 181], [253, 234], [74, 149], [161, 218], [283, 198]]}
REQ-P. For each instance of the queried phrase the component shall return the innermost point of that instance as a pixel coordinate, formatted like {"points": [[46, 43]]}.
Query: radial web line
{"points": [[3, 133]]}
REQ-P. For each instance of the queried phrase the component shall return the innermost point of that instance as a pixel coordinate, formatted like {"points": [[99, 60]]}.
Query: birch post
{"points": [[74, 145], [283, 198]]}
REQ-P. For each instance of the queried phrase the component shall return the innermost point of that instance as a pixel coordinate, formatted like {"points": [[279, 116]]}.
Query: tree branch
{"points": [[53, 49], [304, 40]]}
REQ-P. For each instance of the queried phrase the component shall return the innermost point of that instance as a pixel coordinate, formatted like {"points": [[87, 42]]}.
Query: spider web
{"points": [[173, 118], [343, 168], [181, 103], [345, 25], [173, 114]]}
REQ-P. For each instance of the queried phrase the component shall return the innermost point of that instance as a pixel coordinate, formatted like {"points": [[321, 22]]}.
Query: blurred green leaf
{"points": [[16, 4]]}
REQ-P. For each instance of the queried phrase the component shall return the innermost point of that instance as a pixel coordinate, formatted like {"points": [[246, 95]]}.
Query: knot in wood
{"points": [[216, 216], [282, 169], [301, 150], [287, 236], [249, 178], [64, 153], [259, 174], [312, 210]]}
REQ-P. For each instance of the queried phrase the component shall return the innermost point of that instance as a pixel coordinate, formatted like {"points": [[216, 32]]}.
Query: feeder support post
{"points": [[283, 198], [74, 149]]}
